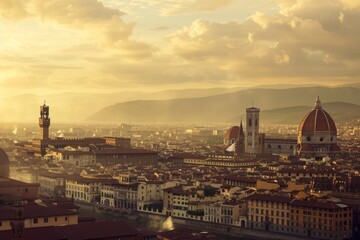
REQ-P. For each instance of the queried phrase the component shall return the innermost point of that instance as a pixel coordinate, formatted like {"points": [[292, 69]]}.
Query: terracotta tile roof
{"points": [[187, 156], [82, 231], [98, 230], [318, 204], [232, 133], [269, 198], [33, 210], [240, 179], [41, 233], [93, 180], [123, 151], [317, 120], [8, 182]]}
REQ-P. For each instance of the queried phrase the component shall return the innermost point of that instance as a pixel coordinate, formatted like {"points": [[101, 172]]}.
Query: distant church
{"points": [[317, 136]]}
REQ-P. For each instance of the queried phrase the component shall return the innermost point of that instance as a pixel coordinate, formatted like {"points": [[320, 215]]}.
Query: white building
{"points": [[149, 193], [81, 157]]}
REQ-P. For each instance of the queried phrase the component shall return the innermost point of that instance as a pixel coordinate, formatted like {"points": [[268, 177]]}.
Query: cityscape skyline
{"points": [[243, 184], [179, 119]]}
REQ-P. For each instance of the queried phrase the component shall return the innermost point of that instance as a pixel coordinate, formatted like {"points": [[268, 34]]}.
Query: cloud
{"points": [[351, 4], [161, 28], [13, 9], [176, 7], [341, 17], [84, 44], [304, 39], [90, 16]]}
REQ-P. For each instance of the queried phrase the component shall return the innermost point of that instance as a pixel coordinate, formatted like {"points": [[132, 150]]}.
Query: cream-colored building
{"points": [[149, 193], [269, 212], [86, 189], [81, 157], [107, 196], [227, 212], [51, 184]]}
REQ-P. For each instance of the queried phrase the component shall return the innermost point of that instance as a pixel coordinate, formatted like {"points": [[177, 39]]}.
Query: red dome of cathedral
{"points": [[232, 133], [317, 120], [317, 135]]}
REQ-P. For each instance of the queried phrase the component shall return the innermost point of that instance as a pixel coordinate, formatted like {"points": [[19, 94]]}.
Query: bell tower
{"points": [[252, 130], [44, 122]]}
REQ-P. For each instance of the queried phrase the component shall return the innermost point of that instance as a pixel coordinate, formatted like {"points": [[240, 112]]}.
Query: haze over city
{"points": [[179, 119], [108, 52]]}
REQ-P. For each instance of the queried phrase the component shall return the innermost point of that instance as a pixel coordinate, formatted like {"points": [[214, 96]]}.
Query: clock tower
{"points": [[44, 122]]}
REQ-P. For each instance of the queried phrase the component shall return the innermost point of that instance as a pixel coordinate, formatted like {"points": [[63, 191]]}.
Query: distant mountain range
{"points": [[278, 106], [76, 107], [187, 105], [339, 111]]}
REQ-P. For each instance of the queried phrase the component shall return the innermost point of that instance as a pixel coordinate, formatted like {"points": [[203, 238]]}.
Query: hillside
{"points": [[340, 111], [74, 107], [225, 107]]}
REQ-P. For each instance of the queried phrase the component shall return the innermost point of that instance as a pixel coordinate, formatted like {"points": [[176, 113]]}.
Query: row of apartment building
{"points": [[314, 218], [228, 203]]}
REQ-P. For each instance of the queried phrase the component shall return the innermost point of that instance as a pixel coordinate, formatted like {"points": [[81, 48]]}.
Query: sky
{"points": [[58, 46]]}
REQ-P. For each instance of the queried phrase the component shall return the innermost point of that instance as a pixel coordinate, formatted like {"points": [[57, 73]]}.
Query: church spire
{"points": [[240, 143], [241, 130]]}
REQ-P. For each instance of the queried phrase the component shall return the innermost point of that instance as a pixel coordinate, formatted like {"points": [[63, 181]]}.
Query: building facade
{"points": [[321, 219], [268, 212]]}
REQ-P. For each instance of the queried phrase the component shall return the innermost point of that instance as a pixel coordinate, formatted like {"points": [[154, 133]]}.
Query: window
{"points": [[46, 220], [35, 221], [26, 190], [66, 218], [55, 219]]}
